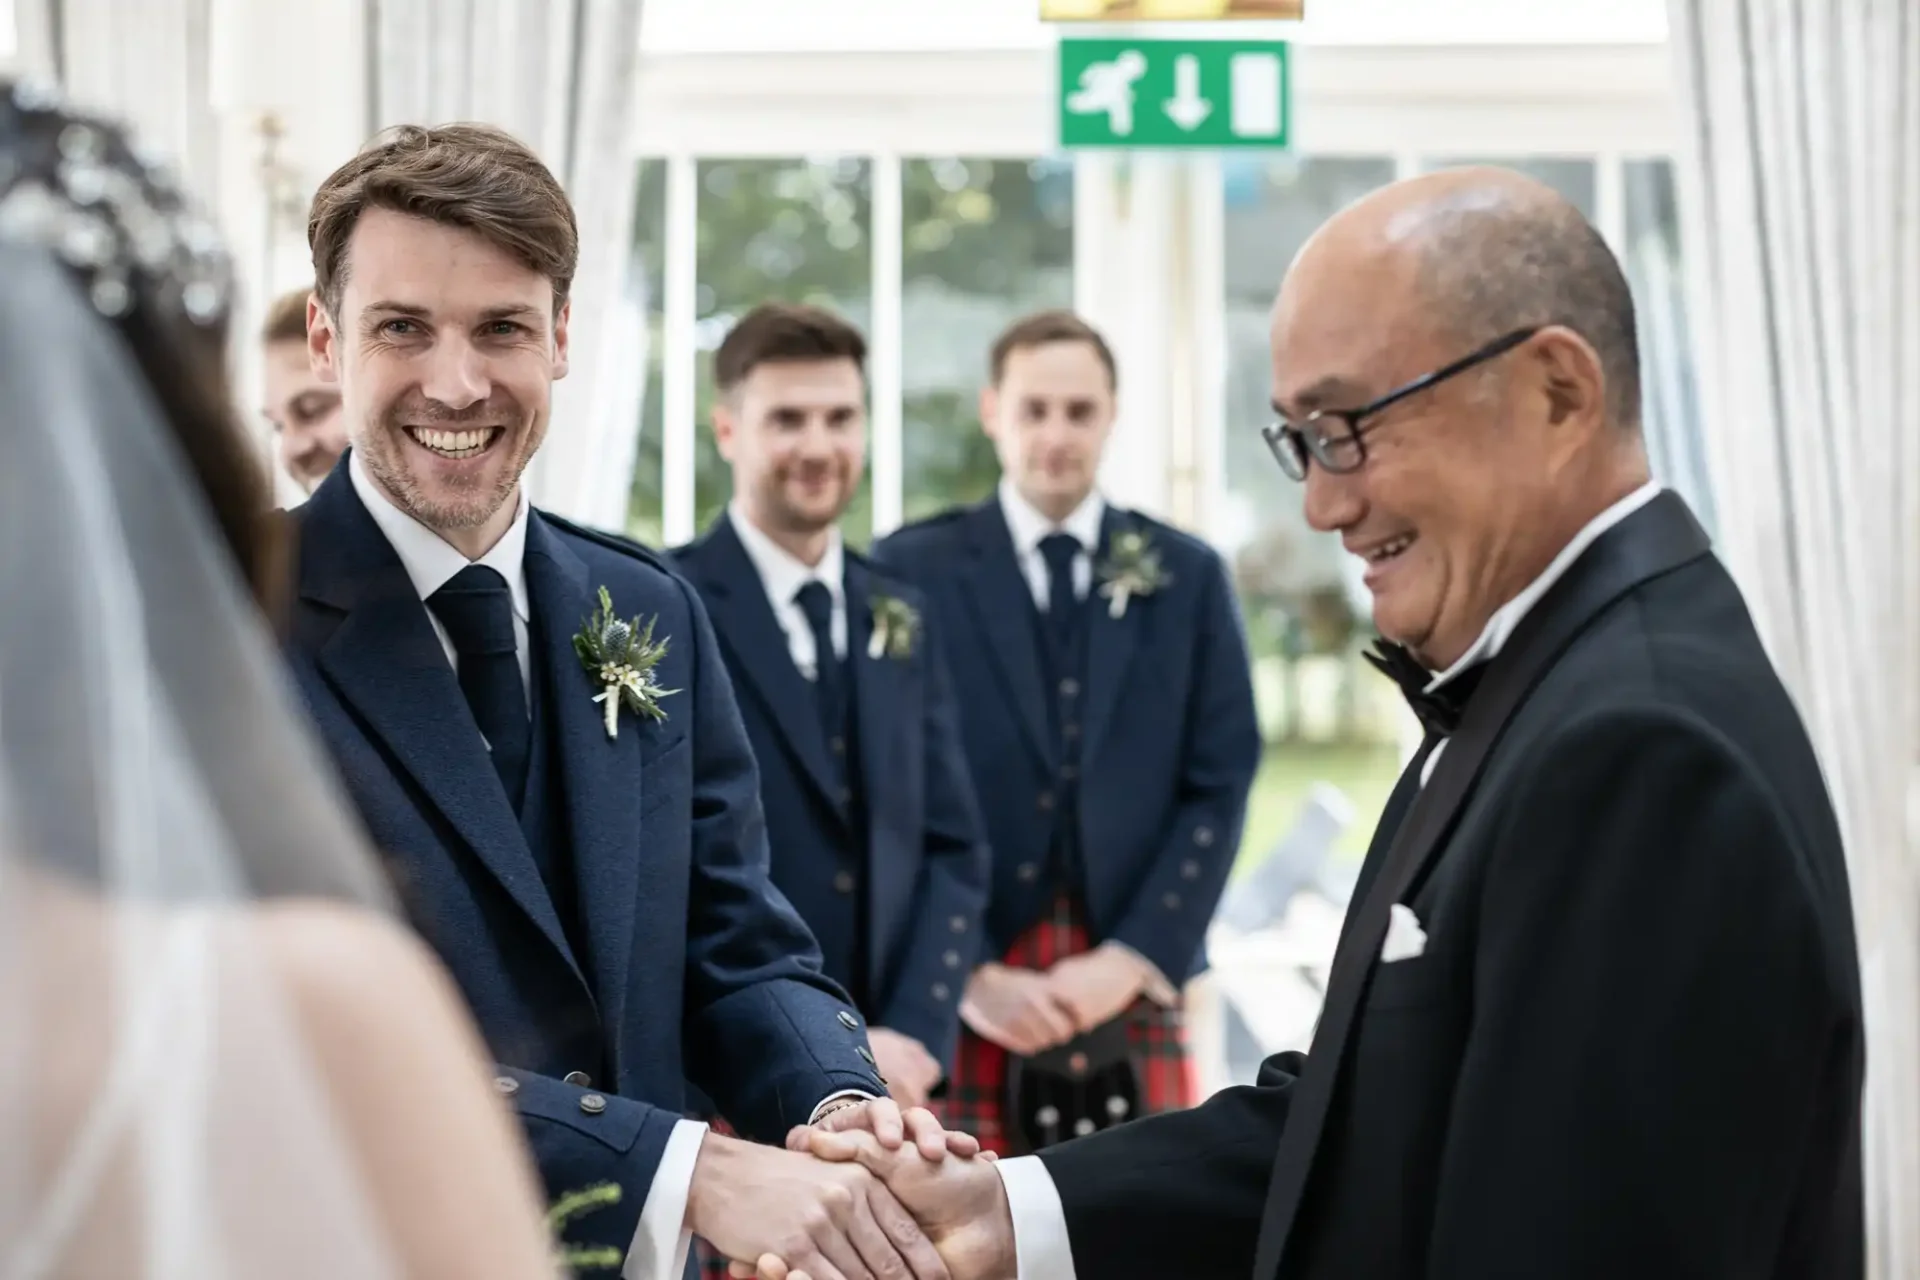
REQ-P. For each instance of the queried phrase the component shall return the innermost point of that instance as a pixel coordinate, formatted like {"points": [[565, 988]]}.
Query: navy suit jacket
{"points": [[1170, 742], [924, 858], [692, 965]]}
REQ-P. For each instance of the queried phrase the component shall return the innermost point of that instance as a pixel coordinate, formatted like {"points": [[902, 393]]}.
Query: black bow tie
{"points": [[1440, 710]]}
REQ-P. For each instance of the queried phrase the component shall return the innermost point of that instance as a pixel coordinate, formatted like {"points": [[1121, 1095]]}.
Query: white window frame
{"points": [[1147, 247]]}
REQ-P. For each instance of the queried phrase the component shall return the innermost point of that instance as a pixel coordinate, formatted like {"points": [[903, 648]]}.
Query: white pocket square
{"points": [[1405, 938]]}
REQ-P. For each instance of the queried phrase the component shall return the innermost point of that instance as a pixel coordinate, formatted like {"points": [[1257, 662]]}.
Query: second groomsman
{"points": [[1110, 730], [876, 836]]}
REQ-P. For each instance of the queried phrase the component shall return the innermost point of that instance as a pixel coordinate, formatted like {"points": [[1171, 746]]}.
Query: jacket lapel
{"points": [[386, 662], [1111, 641], [763, 658], [601, 776], [1660, 537], [998, 593], [889, 710]]}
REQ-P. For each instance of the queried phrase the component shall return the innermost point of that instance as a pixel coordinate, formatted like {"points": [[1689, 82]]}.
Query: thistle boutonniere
{"points": [[620, 657], [895, 625], [576, 1204], [1132, 568]]}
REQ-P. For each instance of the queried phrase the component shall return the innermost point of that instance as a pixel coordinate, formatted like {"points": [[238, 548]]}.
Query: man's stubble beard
{"points": [[386, 467]]}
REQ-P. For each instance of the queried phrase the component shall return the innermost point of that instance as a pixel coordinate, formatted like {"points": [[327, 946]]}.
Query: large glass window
{"points": [[1669, 397], [777, 230], [650, 248], [984, 242], [1326, 717]]}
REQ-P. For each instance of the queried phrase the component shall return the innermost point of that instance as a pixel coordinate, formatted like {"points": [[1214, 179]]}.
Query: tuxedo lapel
{"points": [[1002, 601], [762, 656], [601, 776], [387, 664], [1111, 641], [1657, 539]]}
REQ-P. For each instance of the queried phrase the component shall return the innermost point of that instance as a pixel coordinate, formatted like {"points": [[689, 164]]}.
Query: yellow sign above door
{"points": [[1168, 10]]}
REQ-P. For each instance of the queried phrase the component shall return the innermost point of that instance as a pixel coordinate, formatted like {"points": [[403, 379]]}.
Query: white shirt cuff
{"points": [[661, 1241], [1041, 1247], [845, 1095]]}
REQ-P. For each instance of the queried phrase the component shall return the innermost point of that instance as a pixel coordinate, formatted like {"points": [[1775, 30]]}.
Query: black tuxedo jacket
{"points": [[1632, 1045]]}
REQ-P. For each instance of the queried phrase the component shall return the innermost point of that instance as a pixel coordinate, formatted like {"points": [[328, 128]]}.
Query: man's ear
{"points": [[323, 342], [724, 425], [561, 323]]}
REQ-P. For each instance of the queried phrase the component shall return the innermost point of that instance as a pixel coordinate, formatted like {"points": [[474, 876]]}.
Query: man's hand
{"points": [[883, 1118], [1096, 986], [1017, 1009], [909, 1070], [961, 1204], [830, 1221]]}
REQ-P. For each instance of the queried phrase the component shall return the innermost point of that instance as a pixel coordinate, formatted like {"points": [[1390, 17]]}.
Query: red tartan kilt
{"points": [[976, 1091]]}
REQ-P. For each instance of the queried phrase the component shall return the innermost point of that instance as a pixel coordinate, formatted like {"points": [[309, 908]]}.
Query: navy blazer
{"points": [[692, 967], [1170, 741], [925, 857]]}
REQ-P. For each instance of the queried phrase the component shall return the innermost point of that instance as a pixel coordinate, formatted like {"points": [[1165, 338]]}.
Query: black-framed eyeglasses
{"points": [[1336, 438]]}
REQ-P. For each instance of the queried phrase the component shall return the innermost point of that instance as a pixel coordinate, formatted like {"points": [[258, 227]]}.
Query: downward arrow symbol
{"points": [[1186, 107]]}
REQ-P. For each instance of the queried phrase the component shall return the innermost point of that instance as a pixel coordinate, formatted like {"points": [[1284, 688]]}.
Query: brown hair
{"points": [[1041, 328], [784, 331], [287, 318], [472, 176]]}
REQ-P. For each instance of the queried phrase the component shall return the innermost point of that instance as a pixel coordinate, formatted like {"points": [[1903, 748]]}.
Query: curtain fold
{"points": [[559, 75], [148, 62], [1800, 196]]}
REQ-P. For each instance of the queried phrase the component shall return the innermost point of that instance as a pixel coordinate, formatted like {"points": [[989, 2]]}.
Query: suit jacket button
{"points": [[1045, 801], [865, 1053], [940, 991], [843, 881], [593, 1104], [839, 745], [1068, 773], [1189, 870], [1069, 688], [507, 1085], [1070, 731], [951, 959], [1173, 901], [958, 924], [1027, 871], [1203, 836], [848, 1021], [579, 1079]]}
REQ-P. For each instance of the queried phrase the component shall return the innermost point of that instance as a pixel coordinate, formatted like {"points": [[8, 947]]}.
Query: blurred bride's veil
{"points": [[160, 1115]]}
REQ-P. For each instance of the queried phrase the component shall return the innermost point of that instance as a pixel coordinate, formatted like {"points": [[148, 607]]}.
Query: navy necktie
{"points": [[829, 683], [477, 610], [1061, 550]]}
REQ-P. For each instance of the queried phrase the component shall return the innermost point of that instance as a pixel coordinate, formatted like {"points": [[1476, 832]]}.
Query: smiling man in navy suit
{"points": [[876, 838], [1110, 730], [583, 844]]}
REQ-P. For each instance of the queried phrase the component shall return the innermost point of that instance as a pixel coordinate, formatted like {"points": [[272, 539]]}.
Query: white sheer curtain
{"points": [[1800, 188], [559, 75], [148, 62]]}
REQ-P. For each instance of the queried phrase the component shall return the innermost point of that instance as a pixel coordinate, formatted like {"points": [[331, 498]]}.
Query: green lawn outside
{"points": [[1365, 772]]}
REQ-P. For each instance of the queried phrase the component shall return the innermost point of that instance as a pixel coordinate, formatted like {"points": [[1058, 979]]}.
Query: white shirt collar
{"points": [[429, 559], [781, 572], [1500, 626], [1028, 526]]}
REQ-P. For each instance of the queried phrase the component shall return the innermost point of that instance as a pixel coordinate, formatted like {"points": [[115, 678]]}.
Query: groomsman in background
{"points": [[1110, 731], [309, 431], [876, 836]]}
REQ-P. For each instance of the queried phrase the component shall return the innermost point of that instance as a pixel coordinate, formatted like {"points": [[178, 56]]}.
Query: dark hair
{"points": [[1042, 328], [472, 176], [1488, 268], [182, 360], [287, 318], [774, 332]]}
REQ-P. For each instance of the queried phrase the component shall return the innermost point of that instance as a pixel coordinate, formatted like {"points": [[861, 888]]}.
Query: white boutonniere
{"points": [[895, 625], [620, 657], [1132, 568]]}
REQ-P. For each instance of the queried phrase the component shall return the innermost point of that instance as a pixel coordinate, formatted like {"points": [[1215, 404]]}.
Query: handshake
{"points": [[866, 1193]]}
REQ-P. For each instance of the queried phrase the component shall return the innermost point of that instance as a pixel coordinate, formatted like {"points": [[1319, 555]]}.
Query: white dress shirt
{"points": [[782, 575], [661, 1241], [1027, 527], [1041, 1244]]}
